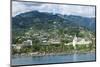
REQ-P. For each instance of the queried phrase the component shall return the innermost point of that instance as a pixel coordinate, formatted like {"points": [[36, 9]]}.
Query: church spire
{"points": [[74, 41]]}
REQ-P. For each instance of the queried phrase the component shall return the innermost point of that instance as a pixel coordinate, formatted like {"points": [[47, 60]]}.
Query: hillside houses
{"points": [[46, 40], [24, 43]]}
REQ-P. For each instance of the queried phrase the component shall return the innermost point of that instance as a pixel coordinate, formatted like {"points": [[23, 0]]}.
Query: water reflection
{"points": [[74, 57]]}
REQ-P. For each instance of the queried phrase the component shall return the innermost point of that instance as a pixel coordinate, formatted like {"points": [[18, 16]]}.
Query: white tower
{"points": [[74, 41]]}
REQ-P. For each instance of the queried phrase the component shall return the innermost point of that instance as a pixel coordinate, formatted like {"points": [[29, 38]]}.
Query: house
{"points": [[17, 46], [54, 41], [27, 43]]}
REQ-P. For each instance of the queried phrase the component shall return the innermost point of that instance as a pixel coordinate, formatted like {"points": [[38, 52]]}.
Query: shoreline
{"points": [[52, 54]]}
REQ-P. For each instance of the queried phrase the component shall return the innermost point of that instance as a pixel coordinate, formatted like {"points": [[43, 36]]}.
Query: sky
{"points": [[22, 7]]}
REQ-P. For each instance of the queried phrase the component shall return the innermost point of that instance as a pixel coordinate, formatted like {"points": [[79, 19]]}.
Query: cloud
{"points": [[21, 7]]}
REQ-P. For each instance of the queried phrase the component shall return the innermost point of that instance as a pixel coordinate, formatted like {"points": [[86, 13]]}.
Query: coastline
{"points": [[52, 54]]}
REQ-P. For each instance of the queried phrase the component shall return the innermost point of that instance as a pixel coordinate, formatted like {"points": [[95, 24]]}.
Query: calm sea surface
{"points": [[53, 59]]}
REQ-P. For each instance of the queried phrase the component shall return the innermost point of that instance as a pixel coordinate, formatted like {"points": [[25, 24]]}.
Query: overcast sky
{"points": [[21, 7]]}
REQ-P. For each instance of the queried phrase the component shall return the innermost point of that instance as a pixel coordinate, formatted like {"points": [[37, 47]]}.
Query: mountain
{"points": [[43, 20], [83, 21]]}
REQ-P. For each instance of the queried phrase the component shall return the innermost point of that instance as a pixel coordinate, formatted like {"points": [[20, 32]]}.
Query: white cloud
{"points": [[21, 7]]}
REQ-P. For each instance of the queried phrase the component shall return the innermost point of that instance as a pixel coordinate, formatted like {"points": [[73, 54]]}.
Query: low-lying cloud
{"points": [[21, 7]]}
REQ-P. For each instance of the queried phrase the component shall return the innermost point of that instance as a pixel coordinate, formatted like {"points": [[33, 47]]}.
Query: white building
{"points": [[27, 43], [17, 46], [78, 41], [54, 41]]}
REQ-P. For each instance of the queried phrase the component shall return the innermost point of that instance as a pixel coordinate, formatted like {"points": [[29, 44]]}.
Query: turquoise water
{"points": [[53, 59]]}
